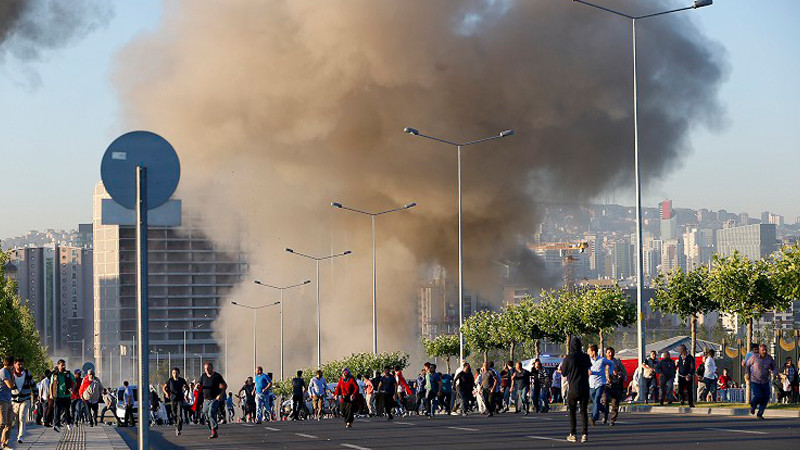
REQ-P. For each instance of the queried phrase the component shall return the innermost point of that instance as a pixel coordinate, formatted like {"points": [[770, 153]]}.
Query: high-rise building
{"points": [[697, 247], [669, 221], [651, 253], [753, 241], [189, 278], [670, 255], [56, 283], [622, 259]]}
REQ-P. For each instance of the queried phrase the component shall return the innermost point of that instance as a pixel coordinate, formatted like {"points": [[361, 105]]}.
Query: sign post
{"points": [[140, 171]]}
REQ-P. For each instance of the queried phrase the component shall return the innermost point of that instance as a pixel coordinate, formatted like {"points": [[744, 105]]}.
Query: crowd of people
{"points": [[592, 384]]}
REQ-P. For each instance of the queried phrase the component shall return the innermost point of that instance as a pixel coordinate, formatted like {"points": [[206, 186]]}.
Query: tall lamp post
{"points": [[639, 248], [317, 259], [255, 321], [374, 275], [281, 289], [459, 146]]}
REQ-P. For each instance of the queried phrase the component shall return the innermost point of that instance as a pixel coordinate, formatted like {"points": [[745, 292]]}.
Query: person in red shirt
{"points": [[347, 393], [724, 381]]}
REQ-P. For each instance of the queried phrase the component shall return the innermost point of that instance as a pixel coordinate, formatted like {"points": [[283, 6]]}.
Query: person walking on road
{"points": [[433, 389], [465, 384], [262, 386], [6, 409], [760, 369], [127, 404], [214, 387], [489, 382], [710, 375], [600, 371], [666, 368], [21, 396], [387, 391], [317, 387], [61, 383], [685, 368], [790, 372], [614, 391], [521, 388], [649, 373], [109, 404], [541, 387], [298, 396], [575, 368], [91, 389], [173, 393], [347, 393]]}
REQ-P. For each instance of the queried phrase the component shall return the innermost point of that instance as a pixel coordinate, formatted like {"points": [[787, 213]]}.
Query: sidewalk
{"points": [[714, 411], [80, 438]]}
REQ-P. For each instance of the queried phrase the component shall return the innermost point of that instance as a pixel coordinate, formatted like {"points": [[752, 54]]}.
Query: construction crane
{"points": [[566, 251]]}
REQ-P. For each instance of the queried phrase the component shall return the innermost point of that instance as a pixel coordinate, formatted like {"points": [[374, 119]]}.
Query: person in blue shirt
{"points": [[599, 375], [229, 407], [263, 385]]}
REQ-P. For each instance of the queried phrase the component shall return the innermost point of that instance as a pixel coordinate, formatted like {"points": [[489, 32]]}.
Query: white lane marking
{"points": [[463, 428], [248, 425], [737, 431], [271, 429], [356, 447], [308, 436], [545, 438], [405, 423]]}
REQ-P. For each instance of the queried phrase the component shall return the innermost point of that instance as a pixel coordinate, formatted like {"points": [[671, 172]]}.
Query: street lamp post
{"points": [[637, 170], [281, 289], [255, 320], [317, 259], [374, 273], [459, 146]]}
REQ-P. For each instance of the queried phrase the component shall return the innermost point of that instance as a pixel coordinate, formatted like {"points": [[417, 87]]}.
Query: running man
{"points": [[213, 394], [263, 385], [173, 393], [601, 368], [760, 368], [615, 390], [318, 387]]}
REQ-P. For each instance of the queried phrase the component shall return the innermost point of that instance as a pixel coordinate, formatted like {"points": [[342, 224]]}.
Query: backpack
{"points": [[701, 370]]}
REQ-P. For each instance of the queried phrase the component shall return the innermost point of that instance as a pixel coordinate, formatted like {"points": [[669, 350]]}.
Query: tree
{"points": [[786, 272], [685, 294], [442, 346], [560, 315], [605, 309], [20, 336], [745, 288], [482, 332]]}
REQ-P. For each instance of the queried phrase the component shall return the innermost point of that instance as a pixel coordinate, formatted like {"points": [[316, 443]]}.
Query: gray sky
{"points": [[57, 123]]}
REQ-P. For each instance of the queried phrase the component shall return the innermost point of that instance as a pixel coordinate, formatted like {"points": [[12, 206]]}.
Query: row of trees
{"points": [[557, 316], [733, 285], [358, 363]]}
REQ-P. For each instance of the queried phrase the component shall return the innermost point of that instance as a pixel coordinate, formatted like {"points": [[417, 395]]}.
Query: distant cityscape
{"points": [[80, 283]]}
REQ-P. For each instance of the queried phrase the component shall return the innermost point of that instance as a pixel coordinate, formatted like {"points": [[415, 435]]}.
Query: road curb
{"points": [[704, 411]]}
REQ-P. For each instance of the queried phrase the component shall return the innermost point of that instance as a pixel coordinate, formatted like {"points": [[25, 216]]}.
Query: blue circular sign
{"points": [[140, 148]]}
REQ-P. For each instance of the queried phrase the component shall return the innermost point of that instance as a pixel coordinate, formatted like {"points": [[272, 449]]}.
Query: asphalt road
{"points": [[498, 432]]}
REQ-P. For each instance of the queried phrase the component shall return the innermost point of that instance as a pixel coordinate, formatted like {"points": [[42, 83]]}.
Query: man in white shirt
{"points": [[45, 399], [710, 375]]}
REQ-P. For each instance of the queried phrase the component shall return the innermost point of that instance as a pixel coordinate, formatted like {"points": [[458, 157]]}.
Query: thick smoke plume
{"points": [[278, 108], [30, 28]]}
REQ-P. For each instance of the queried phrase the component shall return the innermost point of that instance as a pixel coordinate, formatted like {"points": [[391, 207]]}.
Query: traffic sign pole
{"points": [[141, 305]]}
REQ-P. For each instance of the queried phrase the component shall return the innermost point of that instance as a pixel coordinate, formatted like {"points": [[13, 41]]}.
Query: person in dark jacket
{"points": [[666, 369], [465, 384], [685, 375], [575, 368]]}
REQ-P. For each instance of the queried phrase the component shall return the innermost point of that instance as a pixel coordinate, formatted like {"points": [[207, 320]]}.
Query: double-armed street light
{"points": [[317, 259], [255, 321], [184, 345], [281, 289], [639, 249], [459, 146], [374, 274]]}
